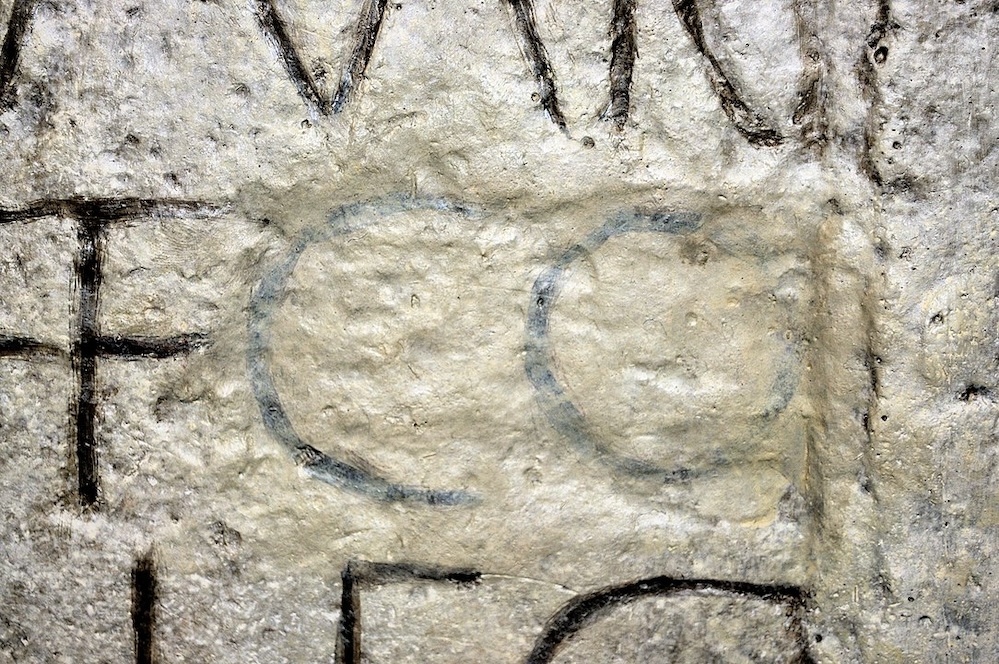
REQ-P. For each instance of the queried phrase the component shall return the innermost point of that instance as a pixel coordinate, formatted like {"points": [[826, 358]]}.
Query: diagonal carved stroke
{"points": [[748, 122], [274, 26], [366, 35], [10, 50], [537, 57], [624, 50]]}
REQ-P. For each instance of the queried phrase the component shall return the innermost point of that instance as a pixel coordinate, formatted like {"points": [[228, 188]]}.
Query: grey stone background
{"points": [[854, 259]]}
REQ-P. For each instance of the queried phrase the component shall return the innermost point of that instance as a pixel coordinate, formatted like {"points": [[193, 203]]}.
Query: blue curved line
{"points": [[265, 301], [539, 361]]}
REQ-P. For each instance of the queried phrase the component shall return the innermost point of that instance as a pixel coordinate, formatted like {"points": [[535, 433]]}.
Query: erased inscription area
{"points": [[387, 362], [680, 353], [660, 349]]}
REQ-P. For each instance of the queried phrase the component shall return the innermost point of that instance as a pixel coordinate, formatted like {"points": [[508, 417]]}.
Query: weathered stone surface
{"points": [[431, 336]]}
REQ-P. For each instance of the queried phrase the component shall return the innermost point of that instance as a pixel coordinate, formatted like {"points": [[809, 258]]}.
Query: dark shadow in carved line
{"points": [[10, 50], [110, 209], [90, 345], [874, 53], [537, 57], [344, 470], [137, 348], [275, 28], [624, 50], [359, 574], [583, 610], [17, 346], [808, 101], [366, 35], [748, 122], [93, 215], [810, 110], [144, 595]]}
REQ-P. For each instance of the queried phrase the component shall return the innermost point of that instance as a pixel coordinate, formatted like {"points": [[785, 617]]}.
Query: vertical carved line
{"points": [[349, 643], [274, 26], [10, 51], [368, 26], [144, 590], [86, 446], [84, 359], [623, 54], [748, 122], [874, 53], [89, 344], [810, 110], [361, 573], [537, 58]]}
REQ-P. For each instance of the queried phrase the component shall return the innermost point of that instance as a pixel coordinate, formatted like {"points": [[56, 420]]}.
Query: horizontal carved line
{"points": [[111, 209], [14, 346], [142, 347]]}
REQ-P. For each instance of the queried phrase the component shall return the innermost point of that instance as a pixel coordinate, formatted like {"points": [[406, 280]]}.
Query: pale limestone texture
{"points": [[716, 382]]}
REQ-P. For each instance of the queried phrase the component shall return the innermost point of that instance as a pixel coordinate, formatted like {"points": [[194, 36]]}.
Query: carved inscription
{"points": [[776, 613], [89, 343], [144, 591], [10, 50], [623, 53], [623, 28]]}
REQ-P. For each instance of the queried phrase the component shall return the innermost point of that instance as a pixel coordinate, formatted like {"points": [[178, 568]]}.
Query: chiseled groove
{"points": [[84, 359], [17, 346], [144, 592], [867, 78], [810, 112], [749, 123], [808, 93], [537, 58], [368, 25], [579, 611], [373, 573], [274, 26], [623, 53], [358, 574], [10, 50], [349, 638], [573, 616], [92, 215], [145, 347], [111, 209]]}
